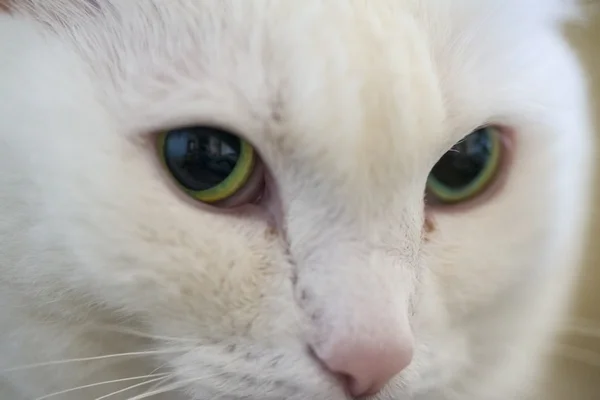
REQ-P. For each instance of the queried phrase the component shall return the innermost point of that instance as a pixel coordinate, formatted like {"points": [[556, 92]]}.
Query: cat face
{"points": [[342, 270]]}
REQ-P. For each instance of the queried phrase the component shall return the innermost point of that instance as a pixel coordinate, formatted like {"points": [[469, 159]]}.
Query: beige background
{"points": [[580, 379]]}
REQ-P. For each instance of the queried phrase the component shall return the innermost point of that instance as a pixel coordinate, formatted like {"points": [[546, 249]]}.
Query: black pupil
{"points": [[465, 161], [201, 158]]}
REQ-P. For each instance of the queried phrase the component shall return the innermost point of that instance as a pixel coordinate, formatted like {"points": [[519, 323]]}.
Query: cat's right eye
{"points": [[212, 166]]}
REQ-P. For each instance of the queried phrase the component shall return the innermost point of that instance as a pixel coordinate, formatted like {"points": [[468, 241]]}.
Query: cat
{"points": [[317, 199]]}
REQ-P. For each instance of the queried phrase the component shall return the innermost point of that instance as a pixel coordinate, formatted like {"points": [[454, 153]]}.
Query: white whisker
{"points": [[163, 381], [133, 332], [96, 358], [47, 396], [174, 386], [158, 391], [156, 381]]}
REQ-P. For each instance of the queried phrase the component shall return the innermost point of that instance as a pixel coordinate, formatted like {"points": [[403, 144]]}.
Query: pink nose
{"points": [[368, 362]]}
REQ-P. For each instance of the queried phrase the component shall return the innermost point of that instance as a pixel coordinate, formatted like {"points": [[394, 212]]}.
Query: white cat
{"points": [[228, 199]]}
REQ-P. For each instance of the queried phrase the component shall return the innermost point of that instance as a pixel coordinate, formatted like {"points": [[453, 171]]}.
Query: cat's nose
{"points": [[367, 362]]}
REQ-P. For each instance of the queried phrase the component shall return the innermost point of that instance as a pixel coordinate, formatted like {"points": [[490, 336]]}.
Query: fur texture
{"points": [[350, 104]]}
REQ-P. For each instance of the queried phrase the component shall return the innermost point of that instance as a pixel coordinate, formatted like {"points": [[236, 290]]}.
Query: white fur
{"points": [[350, 104]]}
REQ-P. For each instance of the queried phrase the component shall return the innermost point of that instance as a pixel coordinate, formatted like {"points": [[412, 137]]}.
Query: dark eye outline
{"points": [[244, 185], [484, 182]]}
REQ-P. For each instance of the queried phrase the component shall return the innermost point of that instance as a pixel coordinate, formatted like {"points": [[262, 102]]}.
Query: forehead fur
{"points": [[182, 41], [93, 24], [89, 20], [56, 8], [56, 11], [163, 37]]}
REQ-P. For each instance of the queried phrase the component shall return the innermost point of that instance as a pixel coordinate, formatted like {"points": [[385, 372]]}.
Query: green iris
{"points": [[468, 168], [209, 164]]}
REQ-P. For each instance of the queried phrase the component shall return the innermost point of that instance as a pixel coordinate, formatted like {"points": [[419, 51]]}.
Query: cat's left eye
{"points": [[212, 166], [468, 169]]}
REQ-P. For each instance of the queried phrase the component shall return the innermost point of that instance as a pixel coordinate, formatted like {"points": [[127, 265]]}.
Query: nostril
{"points": [[345, 380], [356, 388]]}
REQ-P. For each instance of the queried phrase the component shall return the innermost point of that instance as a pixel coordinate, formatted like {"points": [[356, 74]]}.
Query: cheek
{"points": [[477, 260], [515, 236], [137, 247], [199, 273]]}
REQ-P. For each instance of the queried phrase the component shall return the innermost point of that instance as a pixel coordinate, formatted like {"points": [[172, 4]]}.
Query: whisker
{"points": [[163, 381], [133, 332], [96, 358], [166, 363], [163, 365], [99, 384], [155, 380], [167, 388]]}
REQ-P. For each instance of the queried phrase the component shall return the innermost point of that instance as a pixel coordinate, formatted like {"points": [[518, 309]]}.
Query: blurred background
{"points": [[575, 372]]}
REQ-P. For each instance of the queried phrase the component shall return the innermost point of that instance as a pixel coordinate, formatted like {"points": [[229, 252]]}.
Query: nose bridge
{"points": [[365, 275], [360, 315], [355, 255], [356, 288]]}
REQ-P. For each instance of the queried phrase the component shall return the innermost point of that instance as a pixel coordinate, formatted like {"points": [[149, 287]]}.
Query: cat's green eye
{"points": [[468, 168], [211, 165]]}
